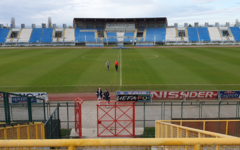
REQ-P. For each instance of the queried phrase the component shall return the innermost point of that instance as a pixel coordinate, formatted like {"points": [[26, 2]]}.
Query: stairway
{"points": [[96, 34], [220, 32], [19, 34], [186, 32], [139, 39], [105, 34], [101, 39], [144, 33], [9, 33], [176, 32], [63, 33], [53, 34], [135, 33], [228, 38], [230, 32]]}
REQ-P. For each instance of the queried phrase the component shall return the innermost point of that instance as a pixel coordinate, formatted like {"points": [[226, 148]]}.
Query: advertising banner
{"points": [[42, 95], [1, 97], [22, 100], [230, 94], [183, 94], [133, 97]]}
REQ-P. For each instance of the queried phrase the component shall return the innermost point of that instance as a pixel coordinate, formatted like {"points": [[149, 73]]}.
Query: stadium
{"points": [[176, 87], [100, 32]]}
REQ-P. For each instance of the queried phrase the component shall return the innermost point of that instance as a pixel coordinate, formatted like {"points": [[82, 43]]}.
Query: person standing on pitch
{"points": [[99, 94], [106, 96], [108, 64], [116, 65]]}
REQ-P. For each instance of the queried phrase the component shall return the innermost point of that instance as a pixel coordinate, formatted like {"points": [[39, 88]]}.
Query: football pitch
{"points": [[83, 70]]}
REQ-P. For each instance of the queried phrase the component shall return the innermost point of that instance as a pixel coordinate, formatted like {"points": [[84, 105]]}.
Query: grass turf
{"points": [[83, 70]]}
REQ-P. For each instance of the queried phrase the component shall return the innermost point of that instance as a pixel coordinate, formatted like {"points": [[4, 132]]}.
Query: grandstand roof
{"points": [[161, 19]]}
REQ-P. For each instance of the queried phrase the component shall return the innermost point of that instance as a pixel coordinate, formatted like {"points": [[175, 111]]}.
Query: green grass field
{"points": [[83, 70]]}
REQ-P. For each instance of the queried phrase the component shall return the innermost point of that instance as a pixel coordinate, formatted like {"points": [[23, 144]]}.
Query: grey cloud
{"points": [[34, 11]]}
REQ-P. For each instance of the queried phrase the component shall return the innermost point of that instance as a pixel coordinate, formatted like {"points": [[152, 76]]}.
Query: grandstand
{"points": [[121, 31]]}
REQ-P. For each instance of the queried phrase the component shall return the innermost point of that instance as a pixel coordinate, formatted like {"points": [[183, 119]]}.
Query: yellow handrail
{"points": [[162, 133], [118, 142]]}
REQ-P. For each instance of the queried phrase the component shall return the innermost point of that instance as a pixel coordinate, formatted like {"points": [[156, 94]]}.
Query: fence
{"points": [[78, 116], [126, 144], [15, 103], [228, 127], [52, 125], [164, 129], [147, 113], [23, 131], [116, 119]]}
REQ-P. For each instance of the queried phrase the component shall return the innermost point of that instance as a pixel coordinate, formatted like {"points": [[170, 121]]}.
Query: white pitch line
{"points": [[120, 67]]}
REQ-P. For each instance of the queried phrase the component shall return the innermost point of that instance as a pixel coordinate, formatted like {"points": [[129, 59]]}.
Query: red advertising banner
{"points": [[1, 96], [183, 94]]}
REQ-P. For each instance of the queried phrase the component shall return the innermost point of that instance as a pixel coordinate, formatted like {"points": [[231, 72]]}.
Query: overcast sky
{"points": [[63, 11]]}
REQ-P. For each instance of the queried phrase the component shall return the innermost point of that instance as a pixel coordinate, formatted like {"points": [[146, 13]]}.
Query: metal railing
{"points": [[126, 144], [23, 131], [166, 129], [52, 126], [227, 127], [11, 103]]}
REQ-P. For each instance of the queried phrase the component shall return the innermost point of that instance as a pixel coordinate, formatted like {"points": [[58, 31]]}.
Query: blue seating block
{"points": [[36, 35], [111, 34], [3, 35], [150, 35], [129, 34], [79, 36], [203, 34], [193, 35], [160, 34], [90, 37], [47, 35], [236, 33]]}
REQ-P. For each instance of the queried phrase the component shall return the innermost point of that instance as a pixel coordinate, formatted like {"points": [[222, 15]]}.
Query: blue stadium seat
{"points": [[111, 34], [99, 40], [90, 37], [236, 33], [193, 35], [160, 34], [112, 40], [128, 40], [79, 36], [150, 34], [47, 35], [36, 35], [105, 40], [203, 34], [3, 34], [129, 34]]}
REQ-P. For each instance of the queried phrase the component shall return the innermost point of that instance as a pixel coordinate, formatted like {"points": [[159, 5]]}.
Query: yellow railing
{"points": [[190, 128], [218, 126], [125, 144], [23, 131]]}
